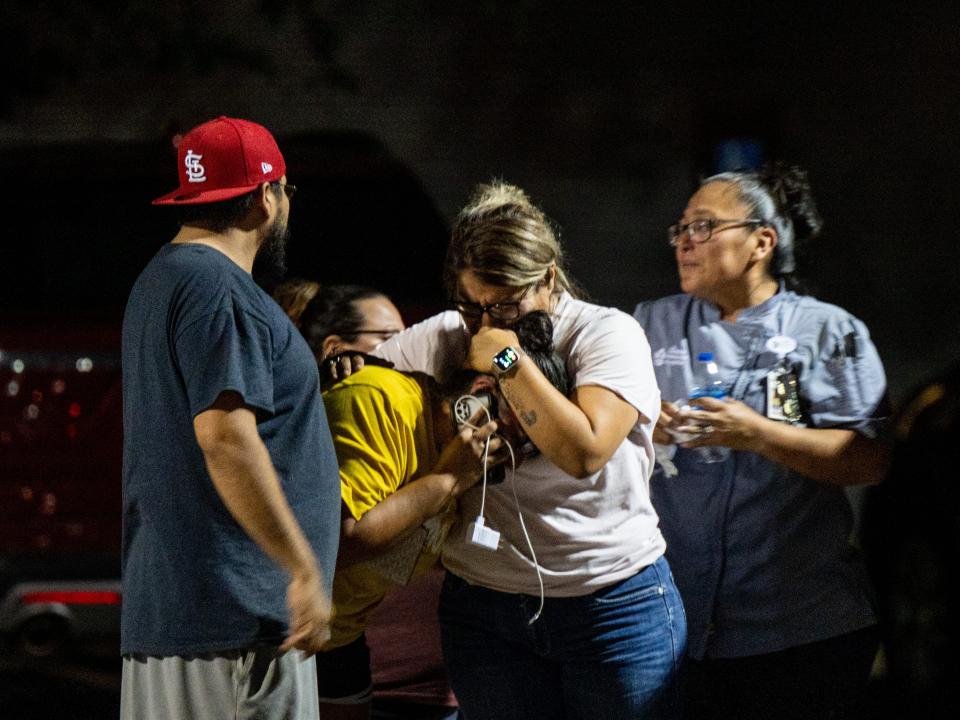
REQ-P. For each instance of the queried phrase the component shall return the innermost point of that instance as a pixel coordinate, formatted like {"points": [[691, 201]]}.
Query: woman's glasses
{"points": [[699, 231], [500, 312]]}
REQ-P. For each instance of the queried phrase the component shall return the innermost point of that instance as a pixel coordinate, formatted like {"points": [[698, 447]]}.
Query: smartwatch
{"points": [[506, 360]]}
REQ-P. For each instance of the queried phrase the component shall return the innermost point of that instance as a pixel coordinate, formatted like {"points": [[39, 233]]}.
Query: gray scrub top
{"points": [[762, 554]]}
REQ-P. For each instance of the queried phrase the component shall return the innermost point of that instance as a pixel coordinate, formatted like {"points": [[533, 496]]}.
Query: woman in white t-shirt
{"points": [[571, 611]]}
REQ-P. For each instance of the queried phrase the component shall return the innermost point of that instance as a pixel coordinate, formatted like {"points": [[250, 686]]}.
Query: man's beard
{"points": [[271, 261]]}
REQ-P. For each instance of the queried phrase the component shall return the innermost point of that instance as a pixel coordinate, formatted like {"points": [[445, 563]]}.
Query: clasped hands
{"points": [[725, 422]]}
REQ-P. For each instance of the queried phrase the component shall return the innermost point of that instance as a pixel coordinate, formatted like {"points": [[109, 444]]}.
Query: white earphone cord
{"points": [[516, 500]]}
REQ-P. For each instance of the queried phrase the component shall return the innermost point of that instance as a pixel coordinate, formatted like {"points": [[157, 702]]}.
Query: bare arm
{"points": [[578, 435], [835, 456], [243, 474], [459, 468]]}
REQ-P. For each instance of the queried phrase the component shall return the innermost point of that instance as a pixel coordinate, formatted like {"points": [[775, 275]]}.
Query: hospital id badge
{"points": [[783, 395]]}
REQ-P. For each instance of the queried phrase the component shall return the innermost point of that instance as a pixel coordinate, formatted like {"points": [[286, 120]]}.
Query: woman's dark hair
{"points": [[220, 216], [333, 311], [535, 333], [780, 195]]}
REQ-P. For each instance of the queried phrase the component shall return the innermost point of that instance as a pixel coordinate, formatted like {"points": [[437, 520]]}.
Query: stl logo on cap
{"points": [[237, 156], [196, 173]]}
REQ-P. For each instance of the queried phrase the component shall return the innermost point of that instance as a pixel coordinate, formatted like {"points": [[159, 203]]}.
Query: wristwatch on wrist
{"points": [[506, 360]]}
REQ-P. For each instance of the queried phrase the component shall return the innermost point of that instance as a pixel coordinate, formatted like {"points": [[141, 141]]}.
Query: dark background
{"points": [[389, 112]]}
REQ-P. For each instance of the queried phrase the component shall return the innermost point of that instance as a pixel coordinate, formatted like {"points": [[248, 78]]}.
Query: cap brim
{"points": [[178, 197]]}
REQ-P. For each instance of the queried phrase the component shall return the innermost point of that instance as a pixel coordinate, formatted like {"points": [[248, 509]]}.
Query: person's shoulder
{"points": [[663, 305], [382, 388], [185, 276], [372, 376], [196, 268], [196, 259], [581, 312], [819, 312], [379, 380], [582, 322], [431, 345], [212, 273], [809, 303], [831, 328], [208, 282]]}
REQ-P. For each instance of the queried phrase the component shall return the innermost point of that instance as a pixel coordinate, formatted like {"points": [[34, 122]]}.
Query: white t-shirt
{"points": [[586, 532]]}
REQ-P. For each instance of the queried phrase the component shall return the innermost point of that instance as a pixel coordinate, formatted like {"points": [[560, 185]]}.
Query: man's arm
{"points": [[243, 474]]}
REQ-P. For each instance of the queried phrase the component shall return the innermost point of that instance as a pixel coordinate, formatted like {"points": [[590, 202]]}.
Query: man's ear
{"points": [[268, 200]]}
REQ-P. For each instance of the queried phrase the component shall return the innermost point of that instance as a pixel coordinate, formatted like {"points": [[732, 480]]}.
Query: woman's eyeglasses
{"points": [[699, 231], [500, 312]]}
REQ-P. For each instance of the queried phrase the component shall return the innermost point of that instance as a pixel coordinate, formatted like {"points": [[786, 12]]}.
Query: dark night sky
{"points": [[391, 110]]}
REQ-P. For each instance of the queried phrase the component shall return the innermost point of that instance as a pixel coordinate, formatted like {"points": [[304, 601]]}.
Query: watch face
{"points": [[506, 358]]}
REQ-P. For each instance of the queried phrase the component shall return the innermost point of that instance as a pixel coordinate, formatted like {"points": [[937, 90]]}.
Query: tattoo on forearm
{"points": [[527, 417]]}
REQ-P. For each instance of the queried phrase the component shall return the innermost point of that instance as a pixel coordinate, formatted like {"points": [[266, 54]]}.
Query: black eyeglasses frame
{"points": [[710, 225], [501, 312]]}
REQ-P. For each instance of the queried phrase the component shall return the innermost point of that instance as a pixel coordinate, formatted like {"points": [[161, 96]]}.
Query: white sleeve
{"points": [[435, 346], [612, 352]]}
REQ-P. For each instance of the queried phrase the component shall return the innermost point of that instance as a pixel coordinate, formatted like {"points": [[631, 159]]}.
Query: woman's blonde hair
{"points": [[506, 240]]}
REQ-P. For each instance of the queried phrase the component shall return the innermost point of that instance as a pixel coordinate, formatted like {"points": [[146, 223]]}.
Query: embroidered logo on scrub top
{"points": [[675, 356]]}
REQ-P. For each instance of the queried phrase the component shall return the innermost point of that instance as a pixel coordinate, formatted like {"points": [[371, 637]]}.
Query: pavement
{"points": [[83, 688]]}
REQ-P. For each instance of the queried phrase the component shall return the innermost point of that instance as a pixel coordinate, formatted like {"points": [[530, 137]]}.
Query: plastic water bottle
{"points": [[707, 383], [706, 379]]}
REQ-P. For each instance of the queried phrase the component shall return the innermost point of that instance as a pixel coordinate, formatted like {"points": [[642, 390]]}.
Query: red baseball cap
{"points": [[223, 159]]}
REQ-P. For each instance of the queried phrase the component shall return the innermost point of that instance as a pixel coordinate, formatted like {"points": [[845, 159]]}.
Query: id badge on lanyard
{"points": [[783, 387]]}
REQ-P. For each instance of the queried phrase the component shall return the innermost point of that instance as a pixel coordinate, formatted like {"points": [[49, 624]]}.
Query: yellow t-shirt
{"points": [[382, 426]]}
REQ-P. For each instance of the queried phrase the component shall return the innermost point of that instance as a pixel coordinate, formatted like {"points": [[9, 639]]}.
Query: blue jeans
{"points": [[613, 654]]}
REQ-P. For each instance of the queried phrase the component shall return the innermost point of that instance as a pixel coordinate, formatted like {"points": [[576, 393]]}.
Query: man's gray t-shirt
{"points": [[196, 325]]}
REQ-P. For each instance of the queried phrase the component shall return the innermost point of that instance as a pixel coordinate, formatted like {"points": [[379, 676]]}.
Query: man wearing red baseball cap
{"points": [[231, 499]]}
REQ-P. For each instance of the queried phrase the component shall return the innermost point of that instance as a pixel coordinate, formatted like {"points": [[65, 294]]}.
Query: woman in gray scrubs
{"points": [[779, 618]]}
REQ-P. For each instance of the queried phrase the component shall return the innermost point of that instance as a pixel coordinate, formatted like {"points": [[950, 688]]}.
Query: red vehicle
{"points": [[60, 454]]}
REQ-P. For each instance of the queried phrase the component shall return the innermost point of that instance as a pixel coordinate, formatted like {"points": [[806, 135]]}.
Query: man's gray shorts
{"points": [[233, 685]]}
